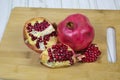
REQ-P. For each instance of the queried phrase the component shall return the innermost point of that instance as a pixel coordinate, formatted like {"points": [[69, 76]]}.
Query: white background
{"points": [[7, 5]]}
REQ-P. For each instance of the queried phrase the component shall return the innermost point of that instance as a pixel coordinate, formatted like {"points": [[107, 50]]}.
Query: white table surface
{"points": [[7, 5]]}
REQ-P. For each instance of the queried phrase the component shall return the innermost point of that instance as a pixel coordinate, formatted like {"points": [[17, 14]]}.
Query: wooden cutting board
{"points": [[17, 61]]}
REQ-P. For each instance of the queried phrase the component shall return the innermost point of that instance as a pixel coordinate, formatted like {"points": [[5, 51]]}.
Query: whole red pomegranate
{"points": [[75, 31]]}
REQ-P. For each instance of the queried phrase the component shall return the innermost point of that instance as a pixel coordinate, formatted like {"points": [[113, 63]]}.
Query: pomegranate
{"points": [[76, 31], [39, 34], [91, 53], [58, 55]]}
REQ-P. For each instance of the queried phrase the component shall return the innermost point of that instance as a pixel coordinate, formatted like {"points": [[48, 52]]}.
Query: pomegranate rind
{"points": [[79, 34], [32, 44]]}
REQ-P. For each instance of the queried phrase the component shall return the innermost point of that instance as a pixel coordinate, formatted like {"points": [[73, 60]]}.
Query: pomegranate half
{"points": [[58, 55], [39, 34], [75, 31]]}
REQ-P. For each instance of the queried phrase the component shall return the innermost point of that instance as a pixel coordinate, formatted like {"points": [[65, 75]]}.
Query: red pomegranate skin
{"points": [[76, 31]]}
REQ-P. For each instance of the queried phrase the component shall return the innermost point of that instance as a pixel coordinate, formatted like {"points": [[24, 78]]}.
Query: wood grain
{"points": [[17, 61]]}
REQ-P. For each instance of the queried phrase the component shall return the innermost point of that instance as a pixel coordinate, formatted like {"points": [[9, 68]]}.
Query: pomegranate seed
{"points": [[29, 24], [32, 37], [46, 37], [53, 33], [61, 51], [45, 43], [36, 24], [55, 51], [49, 50], [50, 54], [40, 39], [29, 29], [57, 57], [37, 44], [50, 60], [70, 53], [71, 61]]}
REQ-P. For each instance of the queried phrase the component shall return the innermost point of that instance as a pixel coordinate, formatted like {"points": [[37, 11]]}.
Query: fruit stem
{"points": [[70, 25]]}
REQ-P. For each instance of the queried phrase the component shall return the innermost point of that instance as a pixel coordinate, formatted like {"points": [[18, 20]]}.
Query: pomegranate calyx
{"points": [[70, 25]]}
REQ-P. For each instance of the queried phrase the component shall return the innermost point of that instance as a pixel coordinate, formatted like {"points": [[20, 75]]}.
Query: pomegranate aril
{"points": [[29, 29], [57, 57], [71, 61], [46, 37], [55, 51], [55, 47], [40, 39], [50, 60], [42, 28], [70, 53], [49, 50], [46, 23], [61, 51], [53, 33], [36, 26], [45, 43], [37, 44], [32, 37], [67, 56], [29, 24], [50, 54]]}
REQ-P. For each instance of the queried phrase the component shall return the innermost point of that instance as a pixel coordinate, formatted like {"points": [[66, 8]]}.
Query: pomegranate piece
{"points": [[59, 55], [39, 34], [76, 31], [91, 53]]}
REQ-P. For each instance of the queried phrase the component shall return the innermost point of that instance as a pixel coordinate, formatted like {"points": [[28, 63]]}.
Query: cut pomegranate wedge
{"points": [[39, 34], [59, 55]]}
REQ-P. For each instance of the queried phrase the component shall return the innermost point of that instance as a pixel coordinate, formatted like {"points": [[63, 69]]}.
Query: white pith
{"points": [[48, 30], [42, 46]]}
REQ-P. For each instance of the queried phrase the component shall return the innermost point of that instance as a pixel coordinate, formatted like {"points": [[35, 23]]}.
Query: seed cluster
{"points": [[38, 26], [91, 53], [60, 53]]}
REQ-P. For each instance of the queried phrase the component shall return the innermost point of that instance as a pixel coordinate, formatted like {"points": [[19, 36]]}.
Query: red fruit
{"points": [[39, 34], [91, 53], [59, 55], [76, 31]]}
